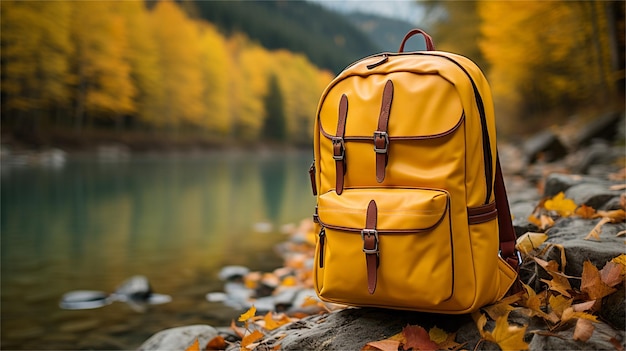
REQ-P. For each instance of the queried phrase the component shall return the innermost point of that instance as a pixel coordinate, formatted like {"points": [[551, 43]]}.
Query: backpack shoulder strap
{"points": [[507, 233]]}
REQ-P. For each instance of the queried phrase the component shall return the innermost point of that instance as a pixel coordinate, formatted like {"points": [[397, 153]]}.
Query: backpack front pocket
{"points": [[385, 247]]}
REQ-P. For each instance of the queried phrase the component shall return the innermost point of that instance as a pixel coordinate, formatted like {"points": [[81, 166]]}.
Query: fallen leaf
{"points": [[534, 220], [508, 337], [597, 229], [551, 266], [437, 335], [563, 206], [533, 302], [584, 306], [546, 222], [559, 304], [251, 338], [383, 345], [584, 330], [194, 347], [271, 323], [621, 259], [617, 344], [569, 314], [480, 320], [529, 242], [616, 216], [502, 307], [586, 212], [248, 314], [592, 283], [611, 274], [621, 233], [217, 343], [418, 339]]}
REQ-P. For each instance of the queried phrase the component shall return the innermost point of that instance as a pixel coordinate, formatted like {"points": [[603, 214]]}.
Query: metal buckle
{"points": [[517, 253], [339, 140], [370, 232], [384, 135]]}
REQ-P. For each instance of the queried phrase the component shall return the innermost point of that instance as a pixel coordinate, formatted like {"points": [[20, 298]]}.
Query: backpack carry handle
{"points": [[429, 41]]}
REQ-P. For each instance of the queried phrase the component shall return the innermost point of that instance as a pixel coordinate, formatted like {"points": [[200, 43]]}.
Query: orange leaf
{"points": [[586, 212], [584, 330], [248, 314], [418, 338], [616, 216], [592, 283], [564, 207], [217, 343], [238, 330], [194, 347], [383, 345], [250, 338], [271, 323]]}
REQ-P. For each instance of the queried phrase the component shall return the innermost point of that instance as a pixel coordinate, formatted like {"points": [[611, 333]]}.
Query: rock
{"points": [[563, 340], [598, 153], [135, 288], [570, 233], [593, 195], [557, 182], [604, 127], [545, 146], [233, 273], [179, 338]]}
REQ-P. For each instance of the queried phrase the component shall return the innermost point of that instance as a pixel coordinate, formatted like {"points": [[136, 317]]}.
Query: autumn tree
{"points": [[547, 58], [36, 45], [274, 125]]}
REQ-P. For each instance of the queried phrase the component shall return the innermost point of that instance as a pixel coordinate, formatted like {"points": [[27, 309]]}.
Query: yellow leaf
{"points": [[551, 266], [271, 323], [250, 338], [570, 314], [621, 259], [530, 242], [480, 320], [248, 314], [437, 335], [508, 337], [584, 330], [289, 281], [564, 207], [503, 307], [559, 304], [194, 347]]}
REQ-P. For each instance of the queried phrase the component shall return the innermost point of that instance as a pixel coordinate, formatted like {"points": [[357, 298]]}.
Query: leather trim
{"points": [[482, 214], [370, 246], [339, 149], [381, 139]]}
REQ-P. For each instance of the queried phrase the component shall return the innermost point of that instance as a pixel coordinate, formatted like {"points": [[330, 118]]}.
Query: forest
{"points": [[218, 72]]}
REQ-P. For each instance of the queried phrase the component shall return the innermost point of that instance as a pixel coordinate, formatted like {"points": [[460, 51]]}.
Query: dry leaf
{"points": [[569, 314], [595, 232], [437, 335], [502, 307], [592, 283], [611, 274], [382, 345], [194, 347], [238, 330], [584, 306], [551, 266], [418, 339], [217, 343], [559, 304], [584, 330], [271, 323], [508, 337], [621, 233], [530, 242], [251, 338], [564, 207], [616, 216], [621, 260], [617, 344], [248, 314], [586, 212]]}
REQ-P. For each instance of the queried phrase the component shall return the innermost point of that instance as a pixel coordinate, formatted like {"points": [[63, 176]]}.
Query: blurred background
{"points": [[171, 138]]}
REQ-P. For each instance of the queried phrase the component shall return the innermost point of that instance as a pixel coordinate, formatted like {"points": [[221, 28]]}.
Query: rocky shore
{"points": [[567, 199]]}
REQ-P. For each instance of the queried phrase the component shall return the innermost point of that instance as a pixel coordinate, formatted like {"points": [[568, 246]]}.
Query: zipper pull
{"points": [[322, 237], [376, 64]]}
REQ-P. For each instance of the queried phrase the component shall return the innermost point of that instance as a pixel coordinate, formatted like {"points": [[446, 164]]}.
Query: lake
{"points": [[91, 223]]}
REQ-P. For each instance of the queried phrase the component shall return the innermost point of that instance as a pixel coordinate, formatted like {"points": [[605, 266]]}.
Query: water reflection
{"points": [[176, 220]]}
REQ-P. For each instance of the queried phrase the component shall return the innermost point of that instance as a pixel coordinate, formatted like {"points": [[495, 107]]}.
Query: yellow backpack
{"points": [[411, 208]]}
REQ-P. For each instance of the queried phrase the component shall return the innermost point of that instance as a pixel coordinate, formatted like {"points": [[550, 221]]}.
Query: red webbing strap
{"points": [[339, 149], [507, 233], [381, 138], [370, 245]]}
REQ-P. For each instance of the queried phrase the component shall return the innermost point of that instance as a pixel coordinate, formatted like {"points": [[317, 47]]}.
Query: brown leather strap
{"points": [[370, 245], [427, 39], [381, 138], [482, 214], [339, 148], [507, 233]]}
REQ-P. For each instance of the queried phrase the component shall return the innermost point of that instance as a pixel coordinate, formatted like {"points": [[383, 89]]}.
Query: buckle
{"points": [[517, 253], [370, 232], [385, 136], [342, 148]]}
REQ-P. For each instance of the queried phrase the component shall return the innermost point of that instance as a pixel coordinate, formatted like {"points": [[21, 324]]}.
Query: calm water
{"points": [[92, 224]]}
